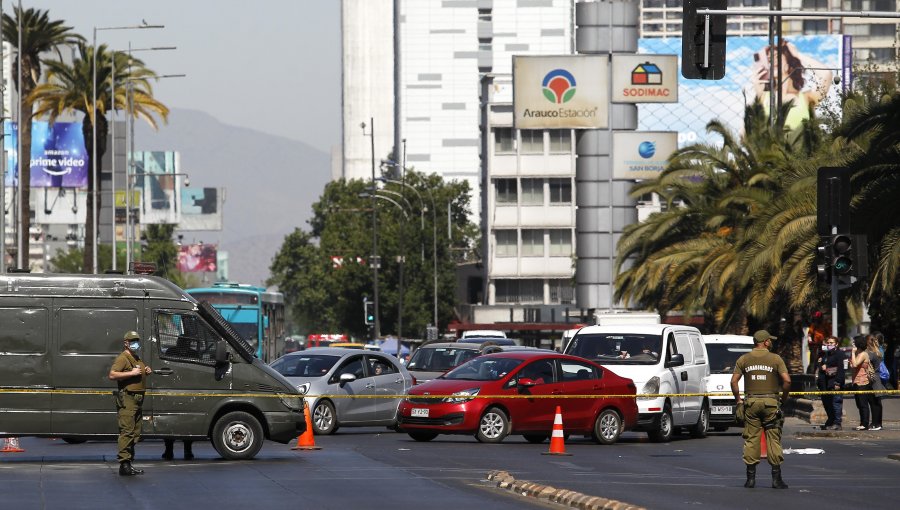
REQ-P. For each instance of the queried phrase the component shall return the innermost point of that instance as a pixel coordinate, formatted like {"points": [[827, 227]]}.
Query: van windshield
{"points": [[722, 357], [618, 348]]}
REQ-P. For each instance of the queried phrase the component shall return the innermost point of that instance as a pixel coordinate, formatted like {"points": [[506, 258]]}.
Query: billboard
{"points": [[159, 179], [59, 206], [58, 156], [645, 79], [810, 65], [201, 209], [552, 92], [642, 154], [197, 258]]}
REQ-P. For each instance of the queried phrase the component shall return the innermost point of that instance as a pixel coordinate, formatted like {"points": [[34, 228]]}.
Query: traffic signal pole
{"points": [[834, 294]]}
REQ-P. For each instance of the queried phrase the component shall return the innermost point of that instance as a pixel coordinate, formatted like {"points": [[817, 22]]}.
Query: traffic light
{"points": [[823, 261], [841, 246], [694, 41], [369, 310]]}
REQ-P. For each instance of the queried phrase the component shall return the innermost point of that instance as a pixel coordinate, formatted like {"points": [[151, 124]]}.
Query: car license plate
{"points": [[419, 413], [721, 409]]}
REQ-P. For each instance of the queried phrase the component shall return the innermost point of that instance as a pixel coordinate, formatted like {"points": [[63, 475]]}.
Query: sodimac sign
{"points": [[645, 79], [560, 92]]}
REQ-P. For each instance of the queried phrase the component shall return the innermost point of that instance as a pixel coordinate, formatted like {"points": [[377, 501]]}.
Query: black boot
{"points": [[188, 450], [126, 469], [751, 476], [777, 482]]}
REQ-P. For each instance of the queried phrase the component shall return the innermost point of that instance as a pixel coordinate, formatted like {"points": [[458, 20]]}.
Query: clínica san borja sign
{"points": [[561, 92]]}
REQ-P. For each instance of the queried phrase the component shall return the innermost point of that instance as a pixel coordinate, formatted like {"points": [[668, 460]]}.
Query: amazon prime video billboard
{"points": [[58, 157], [810, 64]]}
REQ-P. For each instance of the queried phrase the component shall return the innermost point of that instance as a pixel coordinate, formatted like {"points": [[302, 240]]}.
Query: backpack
{"points": [[883, 373]]}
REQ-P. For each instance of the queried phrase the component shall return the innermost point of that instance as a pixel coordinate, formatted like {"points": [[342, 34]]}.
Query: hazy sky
{"points": [[270, 65]]}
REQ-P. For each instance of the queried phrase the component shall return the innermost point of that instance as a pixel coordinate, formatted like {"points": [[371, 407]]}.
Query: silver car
{"points": [[330, 376]]}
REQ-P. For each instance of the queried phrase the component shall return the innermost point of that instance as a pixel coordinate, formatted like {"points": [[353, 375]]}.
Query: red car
{"points": [[473, 399]]}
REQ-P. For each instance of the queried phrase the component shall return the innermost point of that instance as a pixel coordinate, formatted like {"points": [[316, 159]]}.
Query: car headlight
{"points": [[650, 388], [462, 396], [303, 388]]}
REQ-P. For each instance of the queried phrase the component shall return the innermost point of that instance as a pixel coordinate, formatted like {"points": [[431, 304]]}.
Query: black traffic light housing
{"points": [[694, 37], [823, 260], [841, 248], [369, 311]]}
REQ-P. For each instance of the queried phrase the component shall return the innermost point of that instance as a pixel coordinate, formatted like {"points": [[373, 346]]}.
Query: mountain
{"points": [[270, 183]]}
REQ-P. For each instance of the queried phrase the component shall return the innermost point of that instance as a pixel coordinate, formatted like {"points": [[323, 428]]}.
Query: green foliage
{"points": [[72, 261], [162, 251], [325, 298]]}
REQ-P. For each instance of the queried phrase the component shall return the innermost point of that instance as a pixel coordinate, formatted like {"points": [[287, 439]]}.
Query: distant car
{"points": [[484, 333], [723, 351], [486, 339], [514, 374], [432, 360], [326, 371]]}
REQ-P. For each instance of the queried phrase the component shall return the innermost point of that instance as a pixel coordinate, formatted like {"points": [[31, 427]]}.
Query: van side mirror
{"points": [[221, 355], [676, 361]]}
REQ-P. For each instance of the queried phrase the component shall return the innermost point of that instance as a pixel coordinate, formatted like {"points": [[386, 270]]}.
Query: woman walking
{"points": [[865, 379]]}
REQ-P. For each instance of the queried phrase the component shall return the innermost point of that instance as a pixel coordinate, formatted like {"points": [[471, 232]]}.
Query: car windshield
{"points": [[483, 369], [305, 365], [439, 359], [722, 357], [618, 348]]}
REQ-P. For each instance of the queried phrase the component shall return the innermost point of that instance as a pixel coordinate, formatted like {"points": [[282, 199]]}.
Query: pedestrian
{"points": [[830, 378], [818, 331], [129, 372], [169, 454], [864, 360], [766, 377]]}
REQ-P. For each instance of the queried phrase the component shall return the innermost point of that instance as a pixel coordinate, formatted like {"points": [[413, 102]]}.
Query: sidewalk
{"points": [[805, 415]]}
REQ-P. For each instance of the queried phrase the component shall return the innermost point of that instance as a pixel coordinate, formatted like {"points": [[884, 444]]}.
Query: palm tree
{"points": [[69, 88], [40, 35]]}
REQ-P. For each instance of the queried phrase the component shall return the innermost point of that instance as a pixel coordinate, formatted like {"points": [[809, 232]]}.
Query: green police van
{"points": [[59, 335]]}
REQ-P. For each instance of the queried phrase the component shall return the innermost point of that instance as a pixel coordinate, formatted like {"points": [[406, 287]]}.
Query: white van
{"points": [[661, 359], [723, 351]]}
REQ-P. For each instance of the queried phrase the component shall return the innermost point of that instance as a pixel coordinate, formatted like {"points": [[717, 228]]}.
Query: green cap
{"points": [[132, 335], [762, 335]]}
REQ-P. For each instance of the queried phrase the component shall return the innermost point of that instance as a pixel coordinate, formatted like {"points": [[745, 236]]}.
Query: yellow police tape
{"points": [[643, 396]]}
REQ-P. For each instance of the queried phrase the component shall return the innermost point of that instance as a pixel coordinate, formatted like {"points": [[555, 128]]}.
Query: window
{"points": [[378, 366], [561, 191], [540, 372], [561, 243], [532, 243], [506, 191], [519, 291], [808, 5], [532, 192], [561, 140], [815, 26], [503, 141], [506, 243], [577, 371], [532, 141], [561, 292], [183, 336], [353, 366]]}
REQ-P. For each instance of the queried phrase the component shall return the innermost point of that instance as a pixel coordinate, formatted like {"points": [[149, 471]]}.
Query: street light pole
{"points": [[3, 158], [371, 135]]}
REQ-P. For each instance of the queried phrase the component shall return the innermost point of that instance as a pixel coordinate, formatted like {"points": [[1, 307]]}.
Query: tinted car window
{"points": [[379, 366], [305, 365], [722, 357], [540, 371], [618, 348], [440, 358], [484, 369], [351, 366], [576, 371]]}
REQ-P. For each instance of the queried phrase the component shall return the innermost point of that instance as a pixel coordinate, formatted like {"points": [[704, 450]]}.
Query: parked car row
{"points": [[647, 377]]}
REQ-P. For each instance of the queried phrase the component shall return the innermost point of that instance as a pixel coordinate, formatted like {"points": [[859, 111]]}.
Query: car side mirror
{"points": [[676, 361], [221, 355], [345, 378], [526, 382]]}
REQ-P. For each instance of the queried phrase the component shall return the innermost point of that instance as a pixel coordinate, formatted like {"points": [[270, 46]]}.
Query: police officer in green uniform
{"points": [[766, 376], [129, 372]]}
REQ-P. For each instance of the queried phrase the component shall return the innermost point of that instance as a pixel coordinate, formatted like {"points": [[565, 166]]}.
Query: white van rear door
{"points": [[689, 380]]}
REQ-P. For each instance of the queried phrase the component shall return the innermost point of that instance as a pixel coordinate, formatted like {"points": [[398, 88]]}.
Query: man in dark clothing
{"points": [[830, 377]]}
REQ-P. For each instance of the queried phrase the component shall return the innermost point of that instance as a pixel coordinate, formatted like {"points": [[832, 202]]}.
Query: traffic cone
{"points": [[557, 437], [11, 445], [762, 444], [307, 440]]}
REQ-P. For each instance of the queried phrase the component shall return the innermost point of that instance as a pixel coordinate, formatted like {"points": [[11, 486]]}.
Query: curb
{"points": [[504, 480]]}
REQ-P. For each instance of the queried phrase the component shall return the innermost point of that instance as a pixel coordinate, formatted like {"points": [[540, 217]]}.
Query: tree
{"points": [[40, 35], [69, 88], [162, 251], [72, 261], [328, 297]]}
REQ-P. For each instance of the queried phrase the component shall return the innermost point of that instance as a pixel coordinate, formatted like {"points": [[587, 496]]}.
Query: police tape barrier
{"points": [[641, 396]]}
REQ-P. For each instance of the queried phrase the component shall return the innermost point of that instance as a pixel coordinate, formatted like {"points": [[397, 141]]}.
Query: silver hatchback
{"points": [[331, 377]]}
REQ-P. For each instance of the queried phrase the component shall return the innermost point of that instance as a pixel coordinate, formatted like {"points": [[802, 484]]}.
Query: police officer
{"points": [[129, 372], [765, 374]]}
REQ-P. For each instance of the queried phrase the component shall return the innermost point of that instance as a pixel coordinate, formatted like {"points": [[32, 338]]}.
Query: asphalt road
{"points": [[370, 468]]}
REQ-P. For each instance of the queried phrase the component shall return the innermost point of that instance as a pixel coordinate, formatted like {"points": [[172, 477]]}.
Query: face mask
{"points": [[134, 345], [828, 347]]}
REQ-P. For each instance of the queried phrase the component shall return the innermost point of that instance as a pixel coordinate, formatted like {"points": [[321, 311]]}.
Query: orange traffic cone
{"points": [[762, 444], [11, 445], [307, 440], [557, 437]]}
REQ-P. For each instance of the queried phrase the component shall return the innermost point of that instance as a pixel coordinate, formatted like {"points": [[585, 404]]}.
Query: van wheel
{"points": [[666, 429], [608, 427], [493, 426], [535, 438], [238, 436], [324, 418], [702, 426]]}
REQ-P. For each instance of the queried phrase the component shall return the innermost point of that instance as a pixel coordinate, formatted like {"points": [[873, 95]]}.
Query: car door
{"points": [[579, 378], [688, 407], [185, 381], [699, 373], [390, 386], [352, 410], [535, 414]]}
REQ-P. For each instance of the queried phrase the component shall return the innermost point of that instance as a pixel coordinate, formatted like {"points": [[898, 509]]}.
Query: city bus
{"points": [[255, 313]]}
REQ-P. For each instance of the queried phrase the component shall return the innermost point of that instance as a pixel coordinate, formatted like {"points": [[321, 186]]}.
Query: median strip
{"points": [[504, 480]]}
